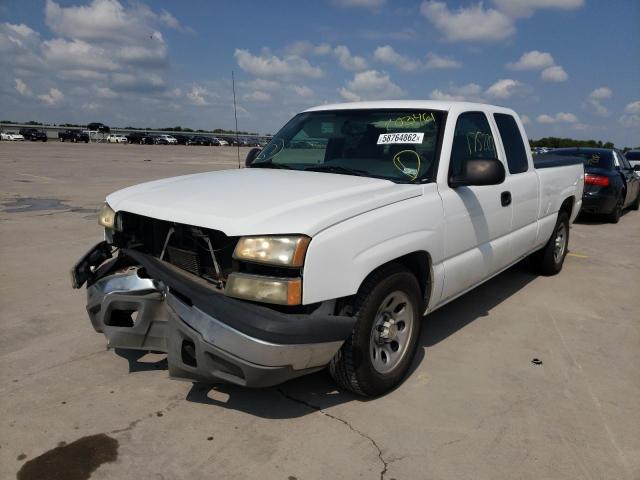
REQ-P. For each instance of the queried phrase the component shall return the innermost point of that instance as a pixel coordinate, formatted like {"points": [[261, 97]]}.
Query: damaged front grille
{"points": [[186, 259], [203, 252]]}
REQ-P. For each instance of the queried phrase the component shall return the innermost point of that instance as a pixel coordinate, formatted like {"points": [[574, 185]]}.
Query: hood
{"points": [[260, 201]]}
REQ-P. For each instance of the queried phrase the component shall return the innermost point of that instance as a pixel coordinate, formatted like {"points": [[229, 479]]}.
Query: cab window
{"points": [[512, 141], [472, 140]]}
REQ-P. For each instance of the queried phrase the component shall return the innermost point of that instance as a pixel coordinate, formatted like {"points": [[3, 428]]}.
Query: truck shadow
{"points": [[141, 360], [315, 392], [595, 219]]}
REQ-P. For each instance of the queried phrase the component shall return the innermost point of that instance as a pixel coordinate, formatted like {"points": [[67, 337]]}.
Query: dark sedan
{"points": [[610, 182], [33, 134], [200, 140], [140, 138]]}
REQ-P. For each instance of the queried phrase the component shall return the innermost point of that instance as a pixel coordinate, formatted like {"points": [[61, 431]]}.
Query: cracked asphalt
{"points": [[474, 406]]}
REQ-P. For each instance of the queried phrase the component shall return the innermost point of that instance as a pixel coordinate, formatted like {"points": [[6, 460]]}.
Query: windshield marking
{"points": [[412, 173]]}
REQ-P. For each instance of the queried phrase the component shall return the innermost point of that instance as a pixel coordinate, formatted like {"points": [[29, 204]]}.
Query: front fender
{"points": [[342, 256]]}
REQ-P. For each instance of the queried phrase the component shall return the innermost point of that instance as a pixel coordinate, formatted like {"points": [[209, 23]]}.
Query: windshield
{"points": [[398, 145], [590, 158], [633, 155]]}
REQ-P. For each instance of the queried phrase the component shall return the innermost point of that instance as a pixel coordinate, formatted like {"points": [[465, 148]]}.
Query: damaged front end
{"points": [[160, 287]]}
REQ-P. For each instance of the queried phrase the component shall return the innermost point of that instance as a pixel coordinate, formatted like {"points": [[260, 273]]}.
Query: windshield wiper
{"points": [[270, 164], [337, 169]]}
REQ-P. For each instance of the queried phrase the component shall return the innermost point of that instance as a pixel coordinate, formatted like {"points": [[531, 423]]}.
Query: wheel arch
{"points": [[419, 263], [567, 205]]}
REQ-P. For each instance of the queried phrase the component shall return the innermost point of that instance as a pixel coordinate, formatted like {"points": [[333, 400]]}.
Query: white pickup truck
{"points": [[354, 221]]}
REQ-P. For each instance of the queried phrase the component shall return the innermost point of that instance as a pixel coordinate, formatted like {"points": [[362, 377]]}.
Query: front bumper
{"points": [[208, 337]]}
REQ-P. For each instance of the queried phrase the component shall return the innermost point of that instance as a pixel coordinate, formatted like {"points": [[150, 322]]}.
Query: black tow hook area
{"points": [[83, 270]]}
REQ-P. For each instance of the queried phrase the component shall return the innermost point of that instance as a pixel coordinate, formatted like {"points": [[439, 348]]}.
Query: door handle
{"points": [[505, 198]]}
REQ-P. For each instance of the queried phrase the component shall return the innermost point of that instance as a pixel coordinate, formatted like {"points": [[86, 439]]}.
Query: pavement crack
{"points": [[157, 413], [385, 463]]}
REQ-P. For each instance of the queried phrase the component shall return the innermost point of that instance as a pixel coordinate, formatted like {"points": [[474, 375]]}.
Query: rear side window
{"points": [[513, 144], [472, 140]]}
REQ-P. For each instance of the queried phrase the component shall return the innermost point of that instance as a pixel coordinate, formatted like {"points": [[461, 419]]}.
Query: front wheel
{"points": [[378, 354], [550, 258]]}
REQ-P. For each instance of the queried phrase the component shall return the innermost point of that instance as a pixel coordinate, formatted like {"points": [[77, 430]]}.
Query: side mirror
{"points": [[479, 172], [251, 156]]}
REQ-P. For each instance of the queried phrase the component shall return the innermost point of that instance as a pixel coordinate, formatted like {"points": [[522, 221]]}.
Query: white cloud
{"points": [[137, 82], [22, 88], [53, 98], [348, 61], [631, 118], [525, 120], [257, 96], [435, 61], [595, 99], [260, 84], [170, 21], [304, 47], [101, 20], [526, 8], [470, 92], [372, 4], [267, 65], [505, 88], [371, 85], [302, 91], [77, 54], [389, 56], [473, 23], [554, 74], [533, 60], [601, 93], [105, 92], [633, 107], [560, 117], [196, 96], [90, 106]]}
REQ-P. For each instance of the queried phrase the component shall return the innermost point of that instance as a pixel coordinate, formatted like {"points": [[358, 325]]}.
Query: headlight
{"points": [[282, 291], [286, 251], [107, 217]]}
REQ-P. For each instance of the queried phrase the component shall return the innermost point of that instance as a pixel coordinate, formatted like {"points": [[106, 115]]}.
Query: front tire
{"points": [[378, 354], [550, 258]]}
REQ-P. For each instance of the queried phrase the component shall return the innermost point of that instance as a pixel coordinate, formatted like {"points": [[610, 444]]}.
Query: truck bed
{"points": [[548, 160]]}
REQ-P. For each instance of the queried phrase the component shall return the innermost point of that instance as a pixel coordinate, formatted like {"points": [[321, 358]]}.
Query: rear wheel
{"points": [[377, 356], [615, 215], [550, 258]]}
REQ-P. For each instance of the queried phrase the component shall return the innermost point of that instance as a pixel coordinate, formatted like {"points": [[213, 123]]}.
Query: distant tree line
{"points": [[555, 142]]}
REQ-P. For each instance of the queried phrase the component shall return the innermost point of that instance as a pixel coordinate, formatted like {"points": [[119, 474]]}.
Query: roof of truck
{"points": [[410, 104]]}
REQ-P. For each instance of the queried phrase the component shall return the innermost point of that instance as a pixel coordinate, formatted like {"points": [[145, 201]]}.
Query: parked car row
{"points": [[144, 138], [611, 181]]}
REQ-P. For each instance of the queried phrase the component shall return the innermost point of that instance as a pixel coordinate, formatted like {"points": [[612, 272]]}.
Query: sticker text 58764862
{"points": [[386, 138]]}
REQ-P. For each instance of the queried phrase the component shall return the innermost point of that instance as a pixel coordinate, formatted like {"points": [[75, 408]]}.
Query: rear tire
{"points": [[614, 216], [378, 354], [550, 258]]}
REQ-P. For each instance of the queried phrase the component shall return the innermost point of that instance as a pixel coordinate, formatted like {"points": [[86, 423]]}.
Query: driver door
{"points": [[477, 218]]}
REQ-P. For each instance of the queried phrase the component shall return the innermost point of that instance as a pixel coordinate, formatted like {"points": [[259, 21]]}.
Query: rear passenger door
{"points": [[477, 218], [524, 185]]}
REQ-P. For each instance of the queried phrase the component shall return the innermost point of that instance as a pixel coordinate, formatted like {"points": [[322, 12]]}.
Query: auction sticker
{"points": [[387, 138]]}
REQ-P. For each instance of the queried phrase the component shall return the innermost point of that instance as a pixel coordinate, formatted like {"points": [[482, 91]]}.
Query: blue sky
{"points": [[569, 67]]}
